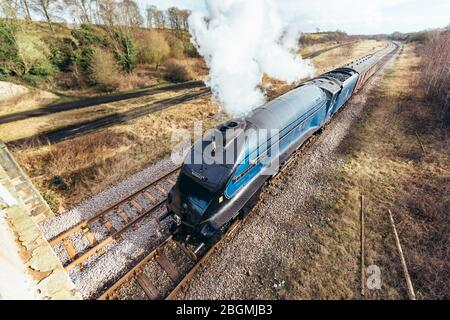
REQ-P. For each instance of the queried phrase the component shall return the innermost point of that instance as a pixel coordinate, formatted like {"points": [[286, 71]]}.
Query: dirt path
{"points": [[90, 102], [264, 259]]}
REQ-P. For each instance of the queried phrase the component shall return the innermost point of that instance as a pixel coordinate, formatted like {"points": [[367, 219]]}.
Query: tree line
{"points": [[108, 41], [104, 12]]}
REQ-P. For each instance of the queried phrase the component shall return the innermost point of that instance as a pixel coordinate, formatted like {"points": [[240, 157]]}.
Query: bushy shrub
{"points": [[421, 37], [153, 48], [435, 65], [176, 46], [190, 50], [104, 70], [83, 58], [33, 79], [125, 49], [8, 49], [178, 72], [24, 55], [33, 56], [62, 52], [51, 200], [86, 35]]}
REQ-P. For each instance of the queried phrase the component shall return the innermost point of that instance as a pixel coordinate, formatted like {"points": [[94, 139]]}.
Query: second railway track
{"points": [[171, 276], [114, 220]]}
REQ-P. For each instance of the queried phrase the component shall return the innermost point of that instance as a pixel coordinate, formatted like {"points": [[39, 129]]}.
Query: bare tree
{"points": [[82, 9], [161, 20], [185, 19], [13, 9], [151, 12], [107, 12], [9, 9], [156, 19], [49, 9], [130, 14], [26, 9], [173, 14], [178, 19]]}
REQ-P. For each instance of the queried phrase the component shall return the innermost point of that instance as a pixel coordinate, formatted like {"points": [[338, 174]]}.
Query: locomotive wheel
{"points": [[219, 234]]}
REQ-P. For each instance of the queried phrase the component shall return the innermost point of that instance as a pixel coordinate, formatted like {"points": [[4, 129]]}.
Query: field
{"points": [[92, 162], [385, 163]]}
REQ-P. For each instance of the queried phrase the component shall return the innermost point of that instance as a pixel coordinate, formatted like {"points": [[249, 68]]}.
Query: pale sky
{"points": [[351, 16]]}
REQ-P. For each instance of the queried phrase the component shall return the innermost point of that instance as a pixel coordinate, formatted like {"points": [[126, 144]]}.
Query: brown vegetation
{"points": [[104, 70], [177, 71], [153, 48], [384, 161], [435, 70]]}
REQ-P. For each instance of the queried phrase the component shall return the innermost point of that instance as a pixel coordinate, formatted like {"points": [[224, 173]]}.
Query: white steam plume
{"points": [[241, 40]]}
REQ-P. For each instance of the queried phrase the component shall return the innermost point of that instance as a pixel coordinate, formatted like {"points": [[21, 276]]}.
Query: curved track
{"points": [[179, 280]]}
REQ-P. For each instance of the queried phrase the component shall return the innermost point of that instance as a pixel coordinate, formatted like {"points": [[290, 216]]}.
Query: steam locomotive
{"points": [[234, 161]]}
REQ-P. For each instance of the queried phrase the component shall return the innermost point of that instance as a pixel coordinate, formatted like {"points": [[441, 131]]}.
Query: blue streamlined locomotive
{"points": [[234, 160]]}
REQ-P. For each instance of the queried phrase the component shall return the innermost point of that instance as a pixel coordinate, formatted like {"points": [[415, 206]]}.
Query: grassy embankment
{"points": [[385, 162]]}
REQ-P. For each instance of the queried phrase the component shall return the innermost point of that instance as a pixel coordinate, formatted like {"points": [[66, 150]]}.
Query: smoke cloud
{"points": [[241, 40]]}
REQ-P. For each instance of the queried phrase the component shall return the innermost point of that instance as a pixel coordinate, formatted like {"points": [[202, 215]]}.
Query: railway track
{"points": [[95, 101], [115, 221], [86, 127], [178, 270]]}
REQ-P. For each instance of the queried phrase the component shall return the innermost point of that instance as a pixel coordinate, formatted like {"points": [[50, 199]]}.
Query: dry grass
{"points": [[28, 101], [384, 162], [435, 70], [337, 57]]}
